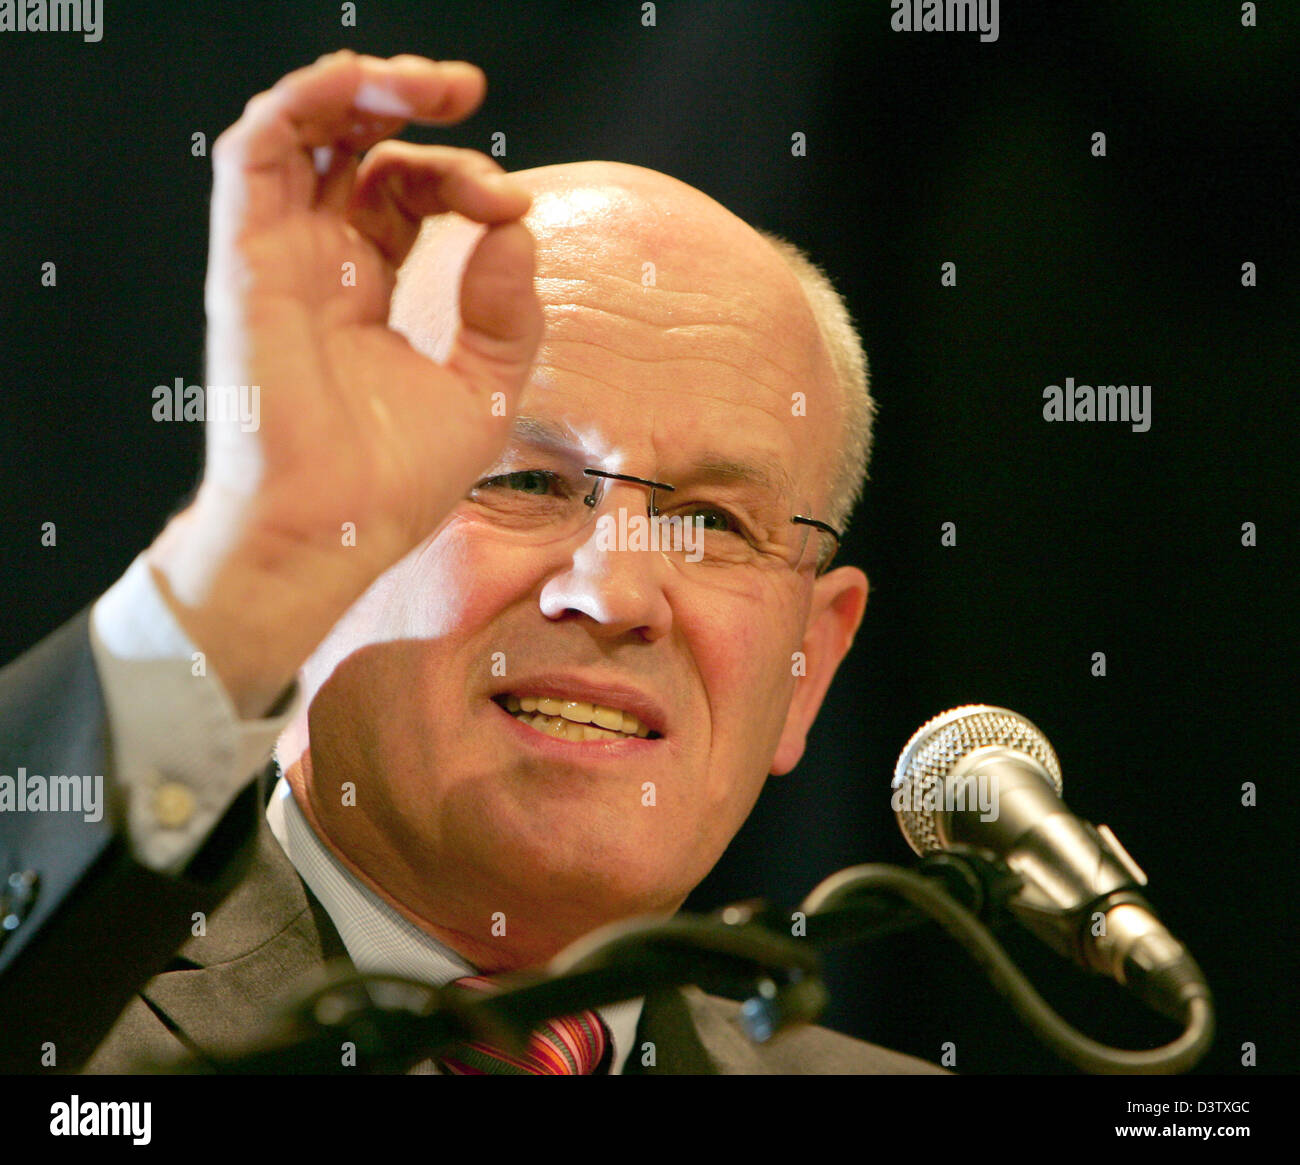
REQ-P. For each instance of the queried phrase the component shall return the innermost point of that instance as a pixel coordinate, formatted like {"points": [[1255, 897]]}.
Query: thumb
{"points": [[500, 314]]}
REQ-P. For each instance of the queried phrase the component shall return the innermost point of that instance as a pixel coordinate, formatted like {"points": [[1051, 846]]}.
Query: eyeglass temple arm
{"points": [[834, 533]]}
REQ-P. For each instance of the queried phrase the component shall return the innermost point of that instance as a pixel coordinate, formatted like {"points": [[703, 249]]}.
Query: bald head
{"points": [[634, 263]]}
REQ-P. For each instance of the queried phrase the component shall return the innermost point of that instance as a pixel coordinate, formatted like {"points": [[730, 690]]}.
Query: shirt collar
{"points": [[378, 939]]}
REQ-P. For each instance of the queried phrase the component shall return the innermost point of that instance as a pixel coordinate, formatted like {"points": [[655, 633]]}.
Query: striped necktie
{"points": [[571, 1045]]}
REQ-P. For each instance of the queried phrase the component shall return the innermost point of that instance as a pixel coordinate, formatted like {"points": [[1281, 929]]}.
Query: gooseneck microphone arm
{"points": [[392, 1023], [860, 888]]}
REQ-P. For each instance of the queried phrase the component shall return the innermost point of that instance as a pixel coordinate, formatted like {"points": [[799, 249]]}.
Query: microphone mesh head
{"points": [[936, 748]]}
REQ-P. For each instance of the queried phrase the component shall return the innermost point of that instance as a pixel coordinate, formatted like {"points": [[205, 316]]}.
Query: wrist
{"points": [[254, 602]]}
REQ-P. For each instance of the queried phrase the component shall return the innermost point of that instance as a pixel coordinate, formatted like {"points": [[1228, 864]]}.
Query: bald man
{"points": [[516, 565]]}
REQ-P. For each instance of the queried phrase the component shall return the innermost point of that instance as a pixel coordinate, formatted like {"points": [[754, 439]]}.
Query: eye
{"points": [[713, 519], [526, 481]]}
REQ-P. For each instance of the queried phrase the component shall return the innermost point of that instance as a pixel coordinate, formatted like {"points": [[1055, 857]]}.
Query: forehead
{"points": [[682, 279], [674, 335], [685, 347]]}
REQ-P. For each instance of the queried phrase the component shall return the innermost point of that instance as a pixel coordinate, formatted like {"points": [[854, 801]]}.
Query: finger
{"points": [[332, 100], [501, 316], [399, 184], [262, 164]]}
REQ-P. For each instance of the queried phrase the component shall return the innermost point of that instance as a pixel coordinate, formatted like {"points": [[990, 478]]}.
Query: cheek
{"points": [[745, 662], [449, 584], [750, 656], [461, 581], [442, 590], [415, 641]]}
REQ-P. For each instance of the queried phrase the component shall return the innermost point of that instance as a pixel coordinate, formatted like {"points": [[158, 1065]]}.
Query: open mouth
{"points": [[575, 720]]}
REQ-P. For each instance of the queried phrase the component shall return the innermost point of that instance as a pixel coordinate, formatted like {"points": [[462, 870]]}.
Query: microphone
{"points": [[984, 779]]}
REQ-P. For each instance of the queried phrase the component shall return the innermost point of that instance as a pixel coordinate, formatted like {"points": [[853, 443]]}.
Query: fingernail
{"points": [[374, 98]]}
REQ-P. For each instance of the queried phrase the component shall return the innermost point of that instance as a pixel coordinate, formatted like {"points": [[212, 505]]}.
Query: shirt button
{"points": [[173, 805]]}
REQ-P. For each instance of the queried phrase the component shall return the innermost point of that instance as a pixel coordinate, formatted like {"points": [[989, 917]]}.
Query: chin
{"points": [[597, 883]]}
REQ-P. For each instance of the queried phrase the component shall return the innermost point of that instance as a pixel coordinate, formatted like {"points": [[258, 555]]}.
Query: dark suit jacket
{"points": [[105, 967]]}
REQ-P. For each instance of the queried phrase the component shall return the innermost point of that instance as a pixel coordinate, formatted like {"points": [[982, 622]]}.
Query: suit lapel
{"points": [[694, 1036], [260, 947]]}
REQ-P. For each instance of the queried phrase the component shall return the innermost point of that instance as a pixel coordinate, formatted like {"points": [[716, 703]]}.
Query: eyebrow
{"points": [[765, 472], [762, 470], [537, 431]]}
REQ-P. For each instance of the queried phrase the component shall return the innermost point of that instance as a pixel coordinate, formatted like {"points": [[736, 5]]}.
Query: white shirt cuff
{"points": [[181, 754]]}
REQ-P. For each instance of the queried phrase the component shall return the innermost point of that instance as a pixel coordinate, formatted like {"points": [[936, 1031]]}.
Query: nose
{"points": [[619, 590]]}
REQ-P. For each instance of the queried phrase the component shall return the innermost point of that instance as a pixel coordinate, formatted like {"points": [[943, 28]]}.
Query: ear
{"points": [[839, 599]]}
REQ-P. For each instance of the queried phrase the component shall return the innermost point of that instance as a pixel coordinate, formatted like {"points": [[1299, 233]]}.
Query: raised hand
{"points": [[355, 425]]}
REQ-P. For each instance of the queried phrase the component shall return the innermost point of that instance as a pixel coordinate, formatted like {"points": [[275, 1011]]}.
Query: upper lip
{"points": [[591, 690]]}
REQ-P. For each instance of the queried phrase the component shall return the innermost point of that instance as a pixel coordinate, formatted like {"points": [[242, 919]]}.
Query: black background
{"points": [[922, 149]]}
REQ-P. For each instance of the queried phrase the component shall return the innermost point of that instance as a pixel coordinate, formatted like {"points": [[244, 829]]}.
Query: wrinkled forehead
{"points": [[674, 333]]}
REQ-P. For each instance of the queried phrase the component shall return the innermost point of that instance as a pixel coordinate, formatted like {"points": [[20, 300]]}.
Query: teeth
{"points": [[567, 729], [575, 719]]}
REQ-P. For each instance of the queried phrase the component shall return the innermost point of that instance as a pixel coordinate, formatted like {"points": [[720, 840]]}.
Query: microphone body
{"points": [[984, 779]]}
